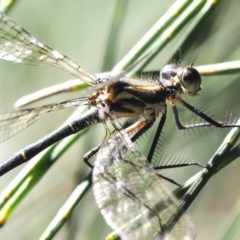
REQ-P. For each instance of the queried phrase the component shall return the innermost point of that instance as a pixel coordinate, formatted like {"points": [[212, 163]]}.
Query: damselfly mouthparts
{"points": [[124, 97]]}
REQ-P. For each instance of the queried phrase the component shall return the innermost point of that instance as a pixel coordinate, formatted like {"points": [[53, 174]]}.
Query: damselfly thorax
{"points": [[132, 97]]}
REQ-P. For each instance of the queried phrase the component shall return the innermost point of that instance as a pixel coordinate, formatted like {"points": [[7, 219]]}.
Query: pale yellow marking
{"points": [[228, 141], [71, 126], [212, 2], [146, 88], [168, 34], [23, 155], [147, 225], [7, 3]]}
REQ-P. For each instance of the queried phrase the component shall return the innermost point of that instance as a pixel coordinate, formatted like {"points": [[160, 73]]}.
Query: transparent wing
{"points": [[131, 196], [17, 45], [13, 122]]}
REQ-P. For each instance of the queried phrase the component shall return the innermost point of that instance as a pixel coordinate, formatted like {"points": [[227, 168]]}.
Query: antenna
{"points": [[180, 56], [194, 60]]}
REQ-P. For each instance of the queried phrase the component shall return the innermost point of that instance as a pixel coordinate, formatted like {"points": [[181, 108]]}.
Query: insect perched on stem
{"points": [[115, 97]]}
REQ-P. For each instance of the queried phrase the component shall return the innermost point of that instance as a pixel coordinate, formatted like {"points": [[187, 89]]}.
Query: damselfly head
{"points": [[186, 80]]}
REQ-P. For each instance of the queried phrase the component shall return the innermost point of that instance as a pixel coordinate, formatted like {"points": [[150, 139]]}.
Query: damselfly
{"points": [[124, 97], [129, 94]]}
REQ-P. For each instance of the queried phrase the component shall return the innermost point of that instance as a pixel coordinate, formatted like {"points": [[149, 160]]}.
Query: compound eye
{"points": [[191, 79]]}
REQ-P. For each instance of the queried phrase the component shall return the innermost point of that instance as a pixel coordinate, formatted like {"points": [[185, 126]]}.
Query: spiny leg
{"points": [[209, 120]]}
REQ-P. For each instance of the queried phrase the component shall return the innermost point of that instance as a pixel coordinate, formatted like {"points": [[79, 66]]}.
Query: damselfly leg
{"points": [[125, 97], [142, 100]]}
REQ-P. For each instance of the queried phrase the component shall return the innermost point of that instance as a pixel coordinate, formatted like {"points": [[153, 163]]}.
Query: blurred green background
{"points": [[79, 29]]}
